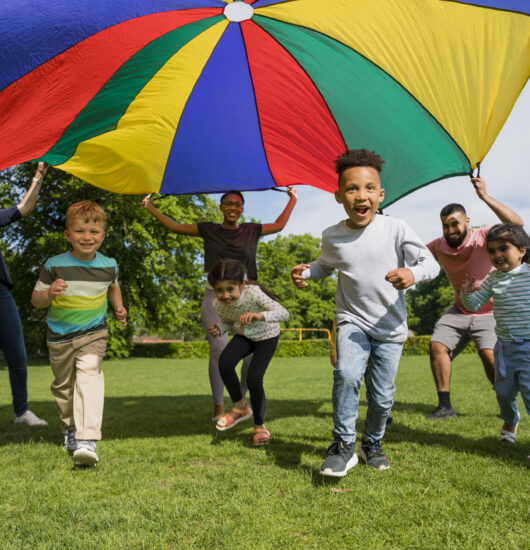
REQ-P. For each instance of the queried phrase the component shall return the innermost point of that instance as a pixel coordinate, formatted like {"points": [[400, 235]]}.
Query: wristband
{"points": [[37, 180]]}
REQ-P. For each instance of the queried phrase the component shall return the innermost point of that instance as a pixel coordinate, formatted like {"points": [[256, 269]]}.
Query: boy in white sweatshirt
{"points": [[370, 252]]}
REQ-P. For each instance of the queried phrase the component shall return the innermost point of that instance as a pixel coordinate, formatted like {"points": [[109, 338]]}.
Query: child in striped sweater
{"points": [[509, 285]]}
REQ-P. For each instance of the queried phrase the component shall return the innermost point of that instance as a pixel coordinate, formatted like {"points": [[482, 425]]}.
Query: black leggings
{"points": [[236, 349]]}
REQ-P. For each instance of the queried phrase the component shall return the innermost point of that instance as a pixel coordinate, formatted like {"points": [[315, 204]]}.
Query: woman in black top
{"points": [[228, 239], [11, 335]]}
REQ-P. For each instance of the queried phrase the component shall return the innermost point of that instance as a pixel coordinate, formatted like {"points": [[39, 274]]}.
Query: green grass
{"points": [[167, 480]]}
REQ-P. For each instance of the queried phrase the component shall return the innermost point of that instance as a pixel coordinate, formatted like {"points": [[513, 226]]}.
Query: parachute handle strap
{"points": [[471, 174]]}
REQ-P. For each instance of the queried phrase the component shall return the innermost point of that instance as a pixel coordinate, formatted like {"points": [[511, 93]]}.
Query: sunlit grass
{"points": [[167, 479]]}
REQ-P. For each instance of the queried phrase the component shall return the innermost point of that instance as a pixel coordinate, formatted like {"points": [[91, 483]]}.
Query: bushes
{"points": [[417, 345]]}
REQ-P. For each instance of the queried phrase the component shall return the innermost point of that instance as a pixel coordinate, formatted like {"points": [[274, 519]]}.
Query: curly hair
{"points": [[510, 233], [87, 211], [358, 157]]}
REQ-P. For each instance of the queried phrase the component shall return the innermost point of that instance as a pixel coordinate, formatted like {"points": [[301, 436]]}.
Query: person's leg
{"points": [[235, 350], [14, 349], [209, 317], [482, 332], [353, 348], [89, 389], [506, 388], [380, 386], [62, 361], [450, 336], [263, 352]]}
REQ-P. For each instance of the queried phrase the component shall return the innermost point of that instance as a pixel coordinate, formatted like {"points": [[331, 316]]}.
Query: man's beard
{"points": [[461, 239]]}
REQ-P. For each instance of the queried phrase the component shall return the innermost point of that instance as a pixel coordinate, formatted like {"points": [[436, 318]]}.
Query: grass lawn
{"points": [[167, 480]]}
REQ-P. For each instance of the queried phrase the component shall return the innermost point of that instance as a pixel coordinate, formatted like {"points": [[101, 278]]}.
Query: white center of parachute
{"points": [[238, 11]]}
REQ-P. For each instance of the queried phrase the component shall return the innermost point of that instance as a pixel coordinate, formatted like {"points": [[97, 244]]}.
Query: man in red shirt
{"points": [[462, 251]]}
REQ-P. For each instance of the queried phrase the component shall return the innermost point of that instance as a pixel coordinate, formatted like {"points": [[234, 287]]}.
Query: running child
{"points": [[253, 318], [509, 285], [76, 286], [369, 251]]}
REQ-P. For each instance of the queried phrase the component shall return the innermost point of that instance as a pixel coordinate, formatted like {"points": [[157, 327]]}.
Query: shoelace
{"points": [[337, 448]]}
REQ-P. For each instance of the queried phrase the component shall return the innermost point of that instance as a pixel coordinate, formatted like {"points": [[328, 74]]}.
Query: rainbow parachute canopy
{"points": [[194, 96]]}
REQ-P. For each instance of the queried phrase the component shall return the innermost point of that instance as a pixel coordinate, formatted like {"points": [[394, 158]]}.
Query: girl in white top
{"points": [[253, 317], [509, 285]]}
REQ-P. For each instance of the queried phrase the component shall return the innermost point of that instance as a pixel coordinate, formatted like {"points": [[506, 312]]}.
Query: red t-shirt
{"points": [[470, 258]]}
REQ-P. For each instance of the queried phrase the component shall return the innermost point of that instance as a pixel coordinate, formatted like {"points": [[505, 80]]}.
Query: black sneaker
{"points": [[341, 458], [442, 412], [373, 455]]}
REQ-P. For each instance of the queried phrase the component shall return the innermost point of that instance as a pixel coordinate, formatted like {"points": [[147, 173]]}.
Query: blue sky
{"points": [[506, 170]]}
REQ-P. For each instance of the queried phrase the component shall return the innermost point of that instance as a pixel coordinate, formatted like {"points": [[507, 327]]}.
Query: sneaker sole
{"points": [[365, 460], [240, 419], [354, 460], [85, 458]]}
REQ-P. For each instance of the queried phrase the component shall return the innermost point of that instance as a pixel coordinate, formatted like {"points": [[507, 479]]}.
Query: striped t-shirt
{"points": [[511, 302], [82, 308]]}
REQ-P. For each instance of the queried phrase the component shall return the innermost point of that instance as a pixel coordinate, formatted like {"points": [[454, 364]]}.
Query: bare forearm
{"points": [[281, 221], [180, 228], [115, 298], [27, 204], [41, 299]]}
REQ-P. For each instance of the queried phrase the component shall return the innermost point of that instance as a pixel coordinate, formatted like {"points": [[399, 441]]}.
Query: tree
{"points": [[427, 302], [310, 307], [160, 272]]}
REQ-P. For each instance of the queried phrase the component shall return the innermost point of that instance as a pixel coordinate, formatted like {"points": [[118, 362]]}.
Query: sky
{"points": [[506, 170]]}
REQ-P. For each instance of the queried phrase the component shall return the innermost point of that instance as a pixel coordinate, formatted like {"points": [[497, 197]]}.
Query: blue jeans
{"points": [[360, 355], [512, 374], [14, 349]]}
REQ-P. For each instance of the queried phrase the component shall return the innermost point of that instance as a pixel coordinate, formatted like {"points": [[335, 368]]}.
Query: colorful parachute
{"points": [[193, 96]]}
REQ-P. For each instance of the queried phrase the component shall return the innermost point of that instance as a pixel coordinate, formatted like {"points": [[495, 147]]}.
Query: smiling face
{"points": [[231, 208], [85, 237], [455, 228], [504, 255], [228, 292], [360, 194]]}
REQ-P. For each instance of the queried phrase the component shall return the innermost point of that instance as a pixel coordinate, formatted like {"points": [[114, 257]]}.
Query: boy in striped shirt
{"points": [[509, 285], [76, 286]]}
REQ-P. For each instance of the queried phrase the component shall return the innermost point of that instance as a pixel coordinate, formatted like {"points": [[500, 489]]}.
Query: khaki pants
{"points": [[79, 387]]}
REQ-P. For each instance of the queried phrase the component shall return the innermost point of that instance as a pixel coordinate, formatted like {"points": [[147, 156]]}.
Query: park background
{"points": [[167, 480]]}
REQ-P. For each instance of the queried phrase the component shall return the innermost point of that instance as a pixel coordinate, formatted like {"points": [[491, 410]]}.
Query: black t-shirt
{"points": [[7, 216], [236, 244]]}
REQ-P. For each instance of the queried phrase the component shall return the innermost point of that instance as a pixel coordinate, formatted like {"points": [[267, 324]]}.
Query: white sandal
{"points": [[508, 437]]}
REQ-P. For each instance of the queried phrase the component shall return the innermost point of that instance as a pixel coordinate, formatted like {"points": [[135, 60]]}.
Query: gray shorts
{"points": [[455, 330]]}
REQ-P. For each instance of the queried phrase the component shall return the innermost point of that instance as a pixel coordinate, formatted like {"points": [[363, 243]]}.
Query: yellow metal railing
{"points": [[300, 330]]}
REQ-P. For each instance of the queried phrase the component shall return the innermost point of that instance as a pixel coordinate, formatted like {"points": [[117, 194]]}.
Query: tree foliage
{"points": [[309, 307], [427, 302]]}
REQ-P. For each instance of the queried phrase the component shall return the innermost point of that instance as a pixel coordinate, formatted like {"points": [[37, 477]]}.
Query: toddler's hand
{"points": [[57, 288], [214, 331], [468, 284], [121, 315], [250, 317], [296, 275], [400, 278]]}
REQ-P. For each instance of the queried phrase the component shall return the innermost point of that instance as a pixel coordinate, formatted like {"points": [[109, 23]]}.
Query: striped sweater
{"points": [[511, 302], [82, 309]]}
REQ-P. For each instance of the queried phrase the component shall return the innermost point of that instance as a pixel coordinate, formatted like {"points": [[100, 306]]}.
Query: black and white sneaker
{"points": [[70, 442], [85, 454], [373, 455], [341, 458]]}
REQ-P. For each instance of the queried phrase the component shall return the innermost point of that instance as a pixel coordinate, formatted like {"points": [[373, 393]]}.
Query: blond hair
{"points": [[87, 211]]}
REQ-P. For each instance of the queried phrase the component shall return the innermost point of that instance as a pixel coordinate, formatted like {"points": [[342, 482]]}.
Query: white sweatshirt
{"points": [[363, 257]]}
